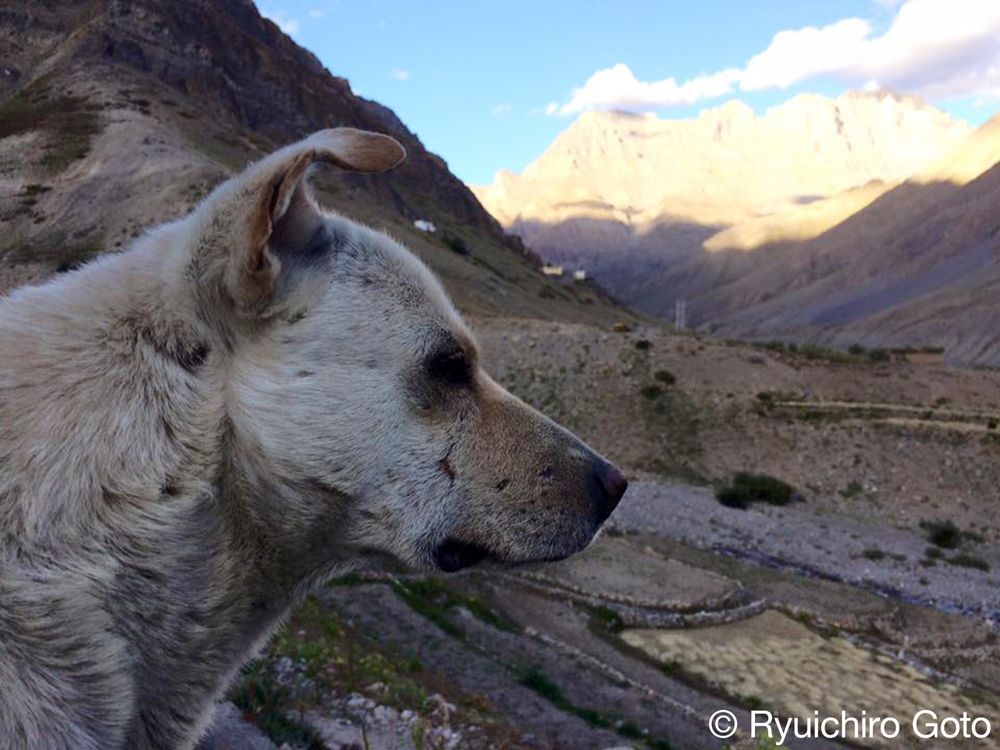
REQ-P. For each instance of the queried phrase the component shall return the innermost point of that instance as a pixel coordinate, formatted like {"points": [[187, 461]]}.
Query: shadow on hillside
{"points": [[915, 241]]}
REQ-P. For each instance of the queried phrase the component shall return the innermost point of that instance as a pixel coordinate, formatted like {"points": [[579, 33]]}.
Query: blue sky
{"points": [[488, 84]]}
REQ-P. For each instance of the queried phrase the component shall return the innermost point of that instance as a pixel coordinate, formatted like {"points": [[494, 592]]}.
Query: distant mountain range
{"points": [[799, 224], [918, 266], [115, 116]]}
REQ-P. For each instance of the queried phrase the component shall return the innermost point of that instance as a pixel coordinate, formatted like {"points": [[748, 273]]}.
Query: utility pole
{"points": [[680, 315]]}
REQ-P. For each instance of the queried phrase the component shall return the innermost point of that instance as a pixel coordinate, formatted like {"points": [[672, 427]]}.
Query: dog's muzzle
{"points": [[607, 486]]}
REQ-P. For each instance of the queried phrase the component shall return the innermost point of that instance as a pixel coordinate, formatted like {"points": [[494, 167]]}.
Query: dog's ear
{"points": [[268, 211]]}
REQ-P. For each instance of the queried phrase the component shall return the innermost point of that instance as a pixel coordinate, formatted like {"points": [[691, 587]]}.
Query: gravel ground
{"points": [[476, 671], [690, 409], [816, 544]]}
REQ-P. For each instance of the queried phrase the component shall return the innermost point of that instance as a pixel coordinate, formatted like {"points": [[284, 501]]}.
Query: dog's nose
{"points": [[611, 485]]}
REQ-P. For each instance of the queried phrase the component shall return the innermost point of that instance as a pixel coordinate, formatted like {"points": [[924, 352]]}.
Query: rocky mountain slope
{"points": [[812, 223], [118, 115], [916, 266], [614, 182]]}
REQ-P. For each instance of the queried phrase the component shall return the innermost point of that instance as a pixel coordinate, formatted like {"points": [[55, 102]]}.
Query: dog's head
{"points": [[352, 372]]}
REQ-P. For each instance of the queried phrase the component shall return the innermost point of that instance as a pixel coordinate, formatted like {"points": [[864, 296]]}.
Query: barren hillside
{"points": [[115, 116], [917, 266], [613, 182], [868, 220]]}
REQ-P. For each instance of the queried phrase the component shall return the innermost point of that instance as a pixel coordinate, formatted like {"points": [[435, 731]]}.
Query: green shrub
{"points": [[435, 601], [651, 391], [455, 243], [607, 618], [942, 533], [69, 124], [811, 351], [969, 561], [260, 698], [747, 488], [537, 680], [665, 376], [534, 679], [853, 489], [873, 553]]}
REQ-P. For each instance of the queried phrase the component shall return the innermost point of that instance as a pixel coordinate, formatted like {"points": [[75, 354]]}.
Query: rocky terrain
{"points": [[115, 116], [867, 220], [856, 595], [616, 189], [917, 265], [858, 434], [638, 173]]}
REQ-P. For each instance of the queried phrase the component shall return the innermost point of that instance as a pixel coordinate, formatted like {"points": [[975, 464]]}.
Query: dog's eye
{"points": [[452, 368]]}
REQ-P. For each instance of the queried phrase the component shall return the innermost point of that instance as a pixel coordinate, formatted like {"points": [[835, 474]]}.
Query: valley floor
{"points": [[682, 608], [877, 589]]}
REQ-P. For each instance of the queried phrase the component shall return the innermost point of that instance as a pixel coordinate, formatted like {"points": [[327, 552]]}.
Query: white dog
{"points": [[196, 431]]}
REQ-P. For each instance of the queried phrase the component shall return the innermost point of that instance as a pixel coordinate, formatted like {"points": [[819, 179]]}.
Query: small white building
{"points": [[579, 275], [552, 270], [425, 226]]}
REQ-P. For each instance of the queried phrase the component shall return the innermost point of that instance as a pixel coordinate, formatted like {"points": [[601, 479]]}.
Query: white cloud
{"points": [[618, 87], [937, 48], [283, 21], [503, 109], [795, 55], [399, 74], [317, 13]]}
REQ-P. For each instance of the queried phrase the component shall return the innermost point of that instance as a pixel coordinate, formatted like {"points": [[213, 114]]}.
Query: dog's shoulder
{"points": [[92, 367]]}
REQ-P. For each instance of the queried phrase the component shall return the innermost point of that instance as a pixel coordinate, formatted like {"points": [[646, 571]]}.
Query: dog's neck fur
{"points": [[183, 471], [237, 584]]}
